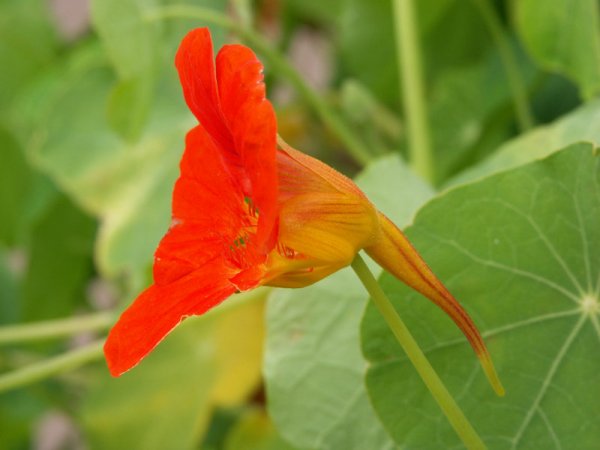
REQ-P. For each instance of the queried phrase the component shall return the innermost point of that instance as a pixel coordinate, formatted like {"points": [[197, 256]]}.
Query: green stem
{"points": [[53, 366], [243, 12], [356, 148], [509, 61], [55, 328], [455, 416], [413, 96]]}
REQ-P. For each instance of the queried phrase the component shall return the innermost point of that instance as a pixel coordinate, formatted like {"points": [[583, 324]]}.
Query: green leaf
{"points": [[176, 29], [380, 127], [15, 177], [127, 185], [27, 44], [9, 286], [129, 106], [314, 369], [139, 50], [468, 42], [563, 36], [313, 366], [373, 66], [315, 10], [133, 46], [60, 262], [136, 42], [255, 431], [393, 188], [24, 193], [580, 125], [521, 251], [18, 411], [465, 125], [131, 43]]}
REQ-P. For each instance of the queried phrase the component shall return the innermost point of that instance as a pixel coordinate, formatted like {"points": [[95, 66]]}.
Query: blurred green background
{"points": [[92, 125]]}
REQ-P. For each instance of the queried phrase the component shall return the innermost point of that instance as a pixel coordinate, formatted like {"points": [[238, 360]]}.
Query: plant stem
{"points": [[515, 81], [415, 110], [243, 12], [356, 148], [55, 328], [53, 366], [455, 416]]}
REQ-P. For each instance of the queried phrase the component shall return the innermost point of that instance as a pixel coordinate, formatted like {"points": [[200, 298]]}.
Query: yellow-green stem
{"points": [[243, 12], [355, 147], [50, 367], [509, 61], [52, 329], [455, 416], [413, 96]]}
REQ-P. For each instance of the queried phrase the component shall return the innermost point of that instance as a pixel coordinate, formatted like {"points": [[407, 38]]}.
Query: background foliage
{"points": [[92, 124]]}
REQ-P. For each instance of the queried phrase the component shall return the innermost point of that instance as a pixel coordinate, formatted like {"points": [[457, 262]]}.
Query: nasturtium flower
{"points": [[250, 211]]}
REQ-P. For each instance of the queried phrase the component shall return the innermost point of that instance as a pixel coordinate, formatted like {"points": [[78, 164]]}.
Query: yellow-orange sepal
{"points": [[395, 253], [324, 220]]}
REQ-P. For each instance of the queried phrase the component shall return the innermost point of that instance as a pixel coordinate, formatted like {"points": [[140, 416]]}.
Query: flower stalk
{"points": [[438, 390]]}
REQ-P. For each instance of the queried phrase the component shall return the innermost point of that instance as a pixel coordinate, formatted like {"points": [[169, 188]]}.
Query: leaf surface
{"points": [[564, 36], [579, 125], [127, 185], [521, 251]]}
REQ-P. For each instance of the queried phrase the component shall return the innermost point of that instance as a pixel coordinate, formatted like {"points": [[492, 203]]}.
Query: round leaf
{"points": [[521, 250]]}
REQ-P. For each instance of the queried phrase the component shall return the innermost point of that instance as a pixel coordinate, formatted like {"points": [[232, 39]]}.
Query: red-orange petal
{"points": [[207, 211], [231, 105], [207, 191], [159, 309], [195, 64], [215, 245], [251, 120]]}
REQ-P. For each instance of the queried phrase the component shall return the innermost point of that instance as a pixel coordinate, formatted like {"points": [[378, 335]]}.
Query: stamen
{"points": [[240, 249], [287, 252], [251, 207]]}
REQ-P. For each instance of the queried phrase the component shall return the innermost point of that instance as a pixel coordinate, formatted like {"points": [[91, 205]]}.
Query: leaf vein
{"points": [[547, 242], [513, 270], [550, 428], [547, 381]]}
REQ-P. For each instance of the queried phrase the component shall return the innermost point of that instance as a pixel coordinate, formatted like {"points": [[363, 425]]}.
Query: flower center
{"points": [[241, 252]]}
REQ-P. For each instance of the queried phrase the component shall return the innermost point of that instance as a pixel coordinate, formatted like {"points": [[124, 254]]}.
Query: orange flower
{"points": [[248, 210]]}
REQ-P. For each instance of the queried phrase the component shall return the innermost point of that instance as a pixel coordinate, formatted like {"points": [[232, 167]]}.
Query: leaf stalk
{"points": [[436, 387], [51, 329], [52, 366], [408, 57]]}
